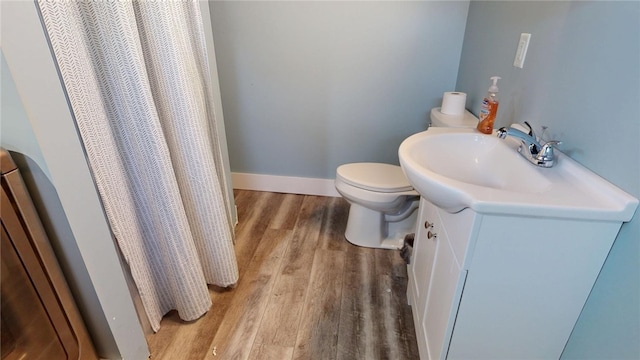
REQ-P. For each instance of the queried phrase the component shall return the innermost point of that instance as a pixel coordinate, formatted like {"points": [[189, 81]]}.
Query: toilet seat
{"points": [[376, 177], [383, 203]]}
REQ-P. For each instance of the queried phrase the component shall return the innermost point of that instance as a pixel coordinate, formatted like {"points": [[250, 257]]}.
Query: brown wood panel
{"points": [[300, 253], [167, 338], [318, 332], [23, 230], [280, 322], [235, 336], [287, 214], [357, 314], [334, 226], [308, 292], [196, 337], [390, 263], [271, 352], [394, 330], [260, 208], [279, 325], [23, 314]]}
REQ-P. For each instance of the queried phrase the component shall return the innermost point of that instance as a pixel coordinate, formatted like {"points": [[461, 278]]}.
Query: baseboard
{"points": [[284, 184]]}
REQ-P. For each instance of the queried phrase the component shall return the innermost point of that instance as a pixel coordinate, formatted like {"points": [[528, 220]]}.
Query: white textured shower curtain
{"points": [[137, 79]]}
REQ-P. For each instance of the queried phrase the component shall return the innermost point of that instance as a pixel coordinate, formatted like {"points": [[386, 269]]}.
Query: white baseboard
{"points": [[284, 184]]}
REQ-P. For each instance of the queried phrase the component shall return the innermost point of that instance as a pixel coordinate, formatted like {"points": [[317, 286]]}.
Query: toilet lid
{"points": [[374, 176]]}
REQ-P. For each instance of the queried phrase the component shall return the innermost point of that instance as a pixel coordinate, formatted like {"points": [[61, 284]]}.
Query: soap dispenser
{"points": [[489, 108]]}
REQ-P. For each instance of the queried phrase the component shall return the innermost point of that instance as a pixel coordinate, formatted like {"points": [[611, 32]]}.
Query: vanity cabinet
{"points": [[495, 286], [436, 280]]}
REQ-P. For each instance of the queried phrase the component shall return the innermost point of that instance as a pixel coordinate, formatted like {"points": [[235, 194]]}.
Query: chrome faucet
{"points": [[540, 155]]}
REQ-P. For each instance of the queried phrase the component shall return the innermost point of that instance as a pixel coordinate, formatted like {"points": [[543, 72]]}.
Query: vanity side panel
{"points": [[526, 286]]}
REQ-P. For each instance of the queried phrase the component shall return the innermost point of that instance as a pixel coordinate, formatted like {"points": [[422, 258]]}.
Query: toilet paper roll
{"points": [[453, 103]]}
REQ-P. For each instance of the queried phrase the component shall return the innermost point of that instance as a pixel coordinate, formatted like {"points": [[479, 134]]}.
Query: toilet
{"points": [[382, 202]]}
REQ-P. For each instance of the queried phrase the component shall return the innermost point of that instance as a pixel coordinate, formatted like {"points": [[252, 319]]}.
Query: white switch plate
{"points": [[521, 52]]}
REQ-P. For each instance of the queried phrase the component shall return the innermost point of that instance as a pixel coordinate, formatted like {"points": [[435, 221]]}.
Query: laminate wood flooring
{"points": [[304, 291]]}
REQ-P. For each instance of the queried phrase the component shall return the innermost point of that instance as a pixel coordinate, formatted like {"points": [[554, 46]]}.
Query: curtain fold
{"points": [[137, 78]]}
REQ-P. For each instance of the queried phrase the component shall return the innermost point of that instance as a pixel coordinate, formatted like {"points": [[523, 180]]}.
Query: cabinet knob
{"points": [[427, 225], [431, 235]]}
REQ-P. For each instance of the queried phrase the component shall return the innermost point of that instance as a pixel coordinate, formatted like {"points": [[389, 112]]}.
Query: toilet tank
{"points": [[466, 120]]}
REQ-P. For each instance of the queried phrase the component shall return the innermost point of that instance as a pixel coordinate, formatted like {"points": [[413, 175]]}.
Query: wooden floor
{"points": [[304, 291]]}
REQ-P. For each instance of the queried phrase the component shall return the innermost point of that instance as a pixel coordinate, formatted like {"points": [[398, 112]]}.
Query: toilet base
{"points": [[368, 228]]}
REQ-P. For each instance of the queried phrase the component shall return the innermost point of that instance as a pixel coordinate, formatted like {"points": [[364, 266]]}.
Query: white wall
{"points": [[307, 86]]}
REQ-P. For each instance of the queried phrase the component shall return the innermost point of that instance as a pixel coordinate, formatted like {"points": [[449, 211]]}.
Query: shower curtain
{"points": [[137, 78]]}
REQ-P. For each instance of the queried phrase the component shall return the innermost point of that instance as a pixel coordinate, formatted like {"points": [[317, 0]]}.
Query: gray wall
{"points": [[37, 125], [307, 86], [18, 137], [38, 128], [581, 78]]}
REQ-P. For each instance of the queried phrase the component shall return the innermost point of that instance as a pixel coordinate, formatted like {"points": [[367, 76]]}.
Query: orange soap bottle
{"points": [[489, 108]]}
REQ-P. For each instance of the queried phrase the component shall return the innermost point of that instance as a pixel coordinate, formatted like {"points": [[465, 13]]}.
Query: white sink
{"points": [[462, 168]]}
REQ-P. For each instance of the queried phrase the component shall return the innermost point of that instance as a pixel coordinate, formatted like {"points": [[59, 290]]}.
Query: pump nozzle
{"points": [[494, 88]]}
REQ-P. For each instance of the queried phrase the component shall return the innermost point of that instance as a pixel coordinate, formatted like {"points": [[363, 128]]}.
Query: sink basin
{"points": [[477, 159], [461, 168]]}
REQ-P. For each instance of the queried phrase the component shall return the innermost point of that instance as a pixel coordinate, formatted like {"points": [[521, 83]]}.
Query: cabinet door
{"points": [[443, 298], [424, 252]]}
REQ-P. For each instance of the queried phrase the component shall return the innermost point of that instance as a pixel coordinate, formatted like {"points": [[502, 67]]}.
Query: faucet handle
{"points": [[546, 152], [550, 144], [531, 133]]}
